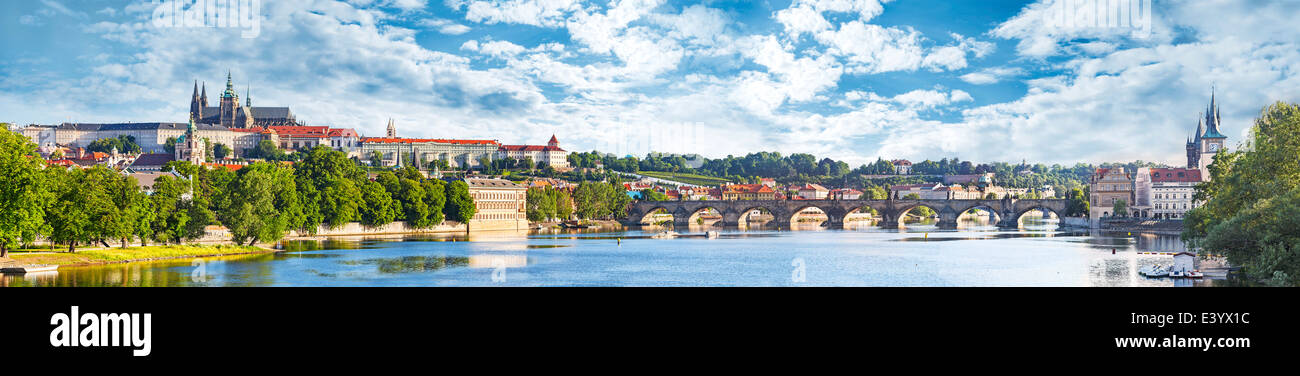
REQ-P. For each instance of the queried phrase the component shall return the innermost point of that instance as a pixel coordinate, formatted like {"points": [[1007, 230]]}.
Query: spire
{"points": [[196, 90], [392, 129], [248, 96]]}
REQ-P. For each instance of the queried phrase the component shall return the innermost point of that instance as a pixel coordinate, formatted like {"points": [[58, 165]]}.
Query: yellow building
{"points": [[501, 204]]}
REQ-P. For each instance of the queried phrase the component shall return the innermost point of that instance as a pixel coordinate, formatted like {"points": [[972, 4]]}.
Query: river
{"points": [[975, 255]]}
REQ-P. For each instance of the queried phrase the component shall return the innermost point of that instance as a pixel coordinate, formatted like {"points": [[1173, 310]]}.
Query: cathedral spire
{"points": [[248, 96], [196, 90]]}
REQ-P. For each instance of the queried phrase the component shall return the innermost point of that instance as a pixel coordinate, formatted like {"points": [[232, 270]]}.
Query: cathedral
{"points": [[1207, 141], [231, 114]]}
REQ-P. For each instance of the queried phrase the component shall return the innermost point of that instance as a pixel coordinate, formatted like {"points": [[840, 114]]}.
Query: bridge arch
{"points": [[1015, 220], [752, 213], [648, 217], [994, 217], [703, 215], [939, 210]]}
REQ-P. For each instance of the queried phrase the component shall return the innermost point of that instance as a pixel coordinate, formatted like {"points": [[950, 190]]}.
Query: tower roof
{"points": [[1212, 120], [554, 140]]}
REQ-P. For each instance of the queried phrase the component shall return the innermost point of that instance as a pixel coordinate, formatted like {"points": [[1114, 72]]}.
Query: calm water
{"points": [[865, 256]]}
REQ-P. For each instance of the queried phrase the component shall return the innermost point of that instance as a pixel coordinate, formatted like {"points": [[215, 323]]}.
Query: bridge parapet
{"points": [[889, 212]]}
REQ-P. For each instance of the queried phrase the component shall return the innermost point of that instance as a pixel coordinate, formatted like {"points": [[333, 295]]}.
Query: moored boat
{"points": [[30, 269]]}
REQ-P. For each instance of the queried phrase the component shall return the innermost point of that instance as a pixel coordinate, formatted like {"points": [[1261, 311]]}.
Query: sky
{"points": [[1043, 81]]}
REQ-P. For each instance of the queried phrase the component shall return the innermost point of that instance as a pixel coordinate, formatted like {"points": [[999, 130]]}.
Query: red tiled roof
{"points": [[399, 140], [749, 188], [231, 167], [529, 148], [902, 162], [1175, 175]]}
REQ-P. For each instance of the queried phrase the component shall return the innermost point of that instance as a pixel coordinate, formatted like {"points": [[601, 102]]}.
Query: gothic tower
{"points": [[1212, 141], [1194, 145], [392, 130], [196, 110], [229, 103]]}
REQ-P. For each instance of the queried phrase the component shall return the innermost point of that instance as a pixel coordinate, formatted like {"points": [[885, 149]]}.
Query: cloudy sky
{"points": [[848, 79]]}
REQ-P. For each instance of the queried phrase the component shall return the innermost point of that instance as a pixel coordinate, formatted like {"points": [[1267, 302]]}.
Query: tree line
{"points": [[260, 202], [1252, 201]]}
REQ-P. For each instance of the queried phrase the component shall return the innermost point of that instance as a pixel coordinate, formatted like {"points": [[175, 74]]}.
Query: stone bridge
{"points": [[889, 212]]}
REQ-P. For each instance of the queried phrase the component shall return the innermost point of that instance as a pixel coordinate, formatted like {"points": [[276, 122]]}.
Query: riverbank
{"points": [[101, 256]]}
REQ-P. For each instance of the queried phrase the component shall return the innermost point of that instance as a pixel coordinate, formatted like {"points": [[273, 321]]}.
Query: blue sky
{"points": [[847, 79]]}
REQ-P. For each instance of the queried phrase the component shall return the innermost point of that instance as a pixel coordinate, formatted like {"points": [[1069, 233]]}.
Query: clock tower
{"points": [[1212, 141]]}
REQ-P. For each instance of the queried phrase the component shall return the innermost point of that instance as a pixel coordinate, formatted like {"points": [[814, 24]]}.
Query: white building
{"points": [[551, 154]]}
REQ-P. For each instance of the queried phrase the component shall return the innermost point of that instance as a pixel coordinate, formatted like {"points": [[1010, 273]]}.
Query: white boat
{"points": [[1194, 274], [1154, 271], [711, 234], [665, 235], [1177, 274], [30, 269]]}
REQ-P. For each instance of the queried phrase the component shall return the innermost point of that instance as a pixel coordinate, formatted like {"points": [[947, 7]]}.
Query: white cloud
{"points": [[544, 13], [991, 75], [443, 26]]}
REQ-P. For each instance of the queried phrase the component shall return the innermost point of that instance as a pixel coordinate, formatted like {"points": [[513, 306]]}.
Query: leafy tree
{"points": [[264, 204], [24, 193], [912, 196], [1078, 204], [1120, 209], [435, 197], [170, 145], [170, 214], [266, 150], [1252, 201], [460, 205], [416, 212], [380, 208], [539, 205], [221, 151], [376, 159], [331, 185], [653, 195], [122, 143]]}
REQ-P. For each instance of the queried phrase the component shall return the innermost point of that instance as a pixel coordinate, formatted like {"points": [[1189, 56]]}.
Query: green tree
{"points": [[435, 197], [415, 211], [331, 186], [912, 196], [264, 204], [1078, 204], [460, 205], [1252, 201], [539, 205], [170, 214], [221, 151], [376, 159], [380, 209], [170, 145], [24, 193], [653, 195], [1120, 209]]}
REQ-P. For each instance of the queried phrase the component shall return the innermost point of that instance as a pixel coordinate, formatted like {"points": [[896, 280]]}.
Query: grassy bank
{"points": [[115, 255], [685, 178]]}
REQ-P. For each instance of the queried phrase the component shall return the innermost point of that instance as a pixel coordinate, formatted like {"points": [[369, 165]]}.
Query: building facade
{"points": [[457, 153], [551, 154], [1109, 186], [502, 204], [1173, 192]]}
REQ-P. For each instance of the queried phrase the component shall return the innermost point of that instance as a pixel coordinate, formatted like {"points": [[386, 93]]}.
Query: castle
{"points": [[231, 114]]}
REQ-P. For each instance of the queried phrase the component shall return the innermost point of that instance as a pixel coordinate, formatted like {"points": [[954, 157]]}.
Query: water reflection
{"points": [[976, 254]]}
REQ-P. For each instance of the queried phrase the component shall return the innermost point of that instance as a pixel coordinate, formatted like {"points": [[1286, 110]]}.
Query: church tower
{"points": [[1212, 141], [554, 143], [392, 129], [196, 110]]}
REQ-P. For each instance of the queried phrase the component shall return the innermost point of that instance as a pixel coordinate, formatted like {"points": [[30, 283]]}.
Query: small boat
{"points": [[1154, 271], [574, 224], [30, 269], [711, 234], [1194, 274], [1177, 274], [665, 235]]}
